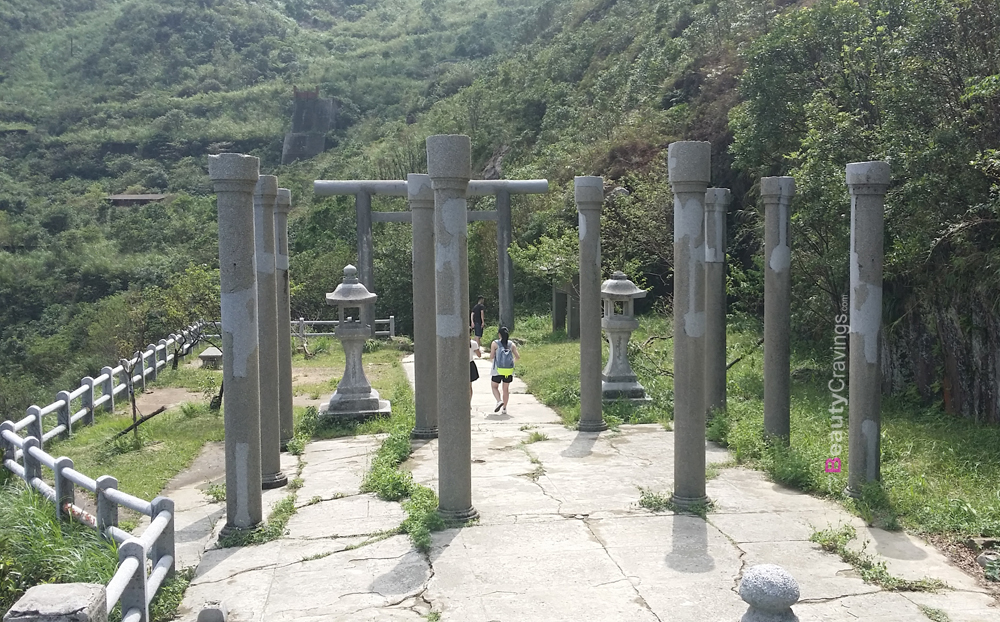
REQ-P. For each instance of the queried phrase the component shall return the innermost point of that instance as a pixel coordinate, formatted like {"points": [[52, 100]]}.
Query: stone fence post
{"points": [[421, 198], [589, 192], [777, 193], [284, 310]]}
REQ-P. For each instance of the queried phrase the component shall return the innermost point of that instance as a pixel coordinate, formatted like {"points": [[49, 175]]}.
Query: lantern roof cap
{"points": [[618, 287], [350, 292]]}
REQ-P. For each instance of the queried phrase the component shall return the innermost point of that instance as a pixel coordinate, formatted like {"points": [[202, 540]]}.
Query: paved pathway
{"points": [[560, 538]]}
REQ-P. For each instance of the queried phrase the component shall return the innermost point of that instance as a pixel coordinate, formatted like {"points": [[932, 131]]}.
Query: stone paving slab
{"points": [[560, 537]]}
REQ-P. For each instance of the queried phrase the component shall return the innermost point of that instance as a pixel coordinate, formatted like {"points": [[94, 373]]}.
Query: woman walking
{"points": [[503, 353]]}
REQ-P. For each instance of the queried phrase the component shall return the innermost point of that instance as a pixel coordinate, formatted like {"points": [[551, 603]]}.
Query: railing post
{"points": [[6, 447], [134, 596], [125, 376], [65, 492], [35, 427], [163, 344], [107, 510], [87, 400], [151, 348], [302, 330], [392, 326], [63, 414], [32, 467], [164, 545], [108, 388]]}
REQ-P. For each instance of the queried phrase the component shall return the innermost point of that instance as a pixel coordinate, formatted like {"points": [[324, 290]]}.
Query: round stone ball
{"points": [[768, 587]]}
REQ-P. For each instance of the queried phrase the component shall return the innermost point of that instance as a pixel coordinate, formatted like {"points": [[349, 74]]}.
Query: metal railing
{"points": [[299, 328], [135, 582]]}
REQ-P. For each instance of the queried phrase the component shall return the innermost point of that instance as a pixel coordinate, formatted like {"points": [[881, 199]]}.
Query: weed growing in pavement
{"points": [[654, 501], [870, 569], [273, 529], [216, 492], [934, 615], [535, 437]]}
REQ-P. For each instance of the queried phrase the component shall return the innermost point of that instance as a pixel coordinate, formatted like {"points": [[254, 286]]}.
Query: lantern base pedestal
{"points": [[354, 406], [617, 388]]}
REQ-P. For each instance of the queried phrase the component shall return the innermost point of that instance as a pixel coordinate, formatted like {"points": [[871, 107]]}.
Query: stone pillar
{"points": [[690, 167], [558, 309], [868, 182], [421, 198], [234, 177], [777, 194], [366, 251], [505, 267], [449, 164], [589, 193], [716, 205], [285, 410], [267, 332]]}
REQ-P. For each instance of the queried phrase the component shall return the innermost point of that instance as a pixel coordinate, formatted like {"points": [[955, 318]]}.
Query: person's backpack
{"points": [[505, 360]]}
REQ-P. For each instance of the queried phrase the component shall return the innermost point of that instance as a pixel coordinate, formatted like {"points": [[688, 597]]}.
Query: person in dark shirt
{"points": [[478, 319]]}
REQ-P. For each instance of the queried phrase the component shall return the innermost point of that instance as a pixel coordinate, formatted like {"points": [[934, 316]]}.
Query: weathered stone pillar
{"points": [[505, 267], [868, 182], [777, 193], [558, 309], [449, 165], [716, 204], [267, 332], [285, 410], [589, 193], [421, 198], [234, 177], [366, 251], [690, 167]]}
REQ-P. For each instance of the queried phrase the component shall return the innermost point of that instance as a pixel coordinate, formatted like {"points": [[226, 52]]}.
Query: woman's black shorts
{"points": [[473, 372], [507, 379]]}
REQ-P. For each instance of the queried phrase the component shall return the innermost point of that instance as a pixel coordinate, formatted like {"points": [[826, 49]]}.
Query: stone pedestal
{"points": [[868, 183], [234, 177], [619, 382], [777, 193], [267, 332], [589, 193], [354, 398], [689, 166], [61, 602], [449, 165]]}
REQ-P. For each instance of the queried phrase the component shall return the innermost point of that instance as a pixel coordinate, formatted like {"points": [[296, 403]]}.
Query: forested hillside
{"points": [[102, 96]]}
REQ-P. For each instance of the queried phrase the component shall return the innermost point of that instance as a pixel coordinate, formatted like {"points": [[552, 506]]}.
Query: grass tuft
{"points": [[871, 570], [272, 529], [535, 437], [216, 492]]}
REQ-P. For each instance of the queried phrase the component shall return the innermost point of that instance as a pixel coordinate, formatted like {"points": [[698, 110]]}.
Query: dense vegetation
{"points": [[100, 96]]}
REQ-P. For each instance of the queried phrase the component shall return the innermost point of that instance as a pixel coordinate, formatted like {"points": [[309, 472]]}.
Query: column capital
{"points": [[419, 191], [868, 177], [775, 188], [449, 157], [283, 202], [717, 199], [589, 192], [689, 161], [233, 172], [267, 190]]}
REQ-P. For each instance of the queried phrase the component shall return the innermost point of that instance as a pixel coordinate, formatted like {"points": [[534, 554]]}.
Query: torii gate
{"points": [[500, 188]]}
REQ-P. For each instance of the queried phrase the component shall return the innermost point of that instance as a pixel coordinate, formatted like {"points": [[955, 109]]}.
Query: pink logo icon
{"points": [[833, 465]]}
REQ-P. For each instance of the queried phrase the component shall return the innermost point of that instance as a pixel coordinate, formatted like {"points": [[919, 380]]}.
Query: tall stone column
{"points": [[267, 332], [868, 182], [690, 167], [234, 177], [589, 199], [285, 411], [425, 385], [505, 267], [777, 193], [716, 205], [449, 165], [366, 251]]}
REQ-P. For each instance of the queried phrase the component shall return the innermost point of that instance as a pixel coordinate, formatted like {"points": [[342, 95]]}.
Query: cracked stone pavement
{"points": [[560, 537]]}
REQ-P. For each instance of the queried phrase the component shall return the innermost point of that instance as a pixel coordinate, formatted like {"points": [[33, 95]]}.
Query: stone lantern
{"points": [[354, 398], [618, 380]]}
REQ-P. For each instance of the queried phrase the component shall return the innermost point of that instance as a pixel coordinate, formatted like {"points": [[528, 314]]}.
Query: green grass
{"points": [[550, 366], [939, 472], [535, 437], [934, 615], [272, 529], [871, 570]]}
